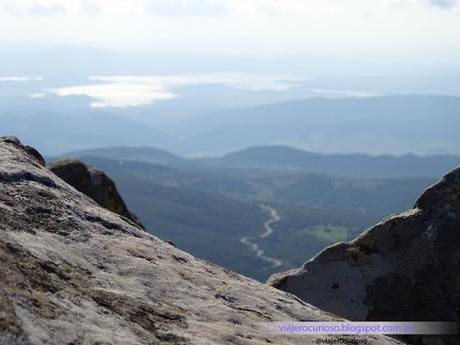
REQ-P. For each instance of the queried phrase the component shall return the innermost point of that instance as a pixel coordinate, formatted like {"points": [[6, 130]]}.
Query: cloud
{"points": [[90, 7], [37, 8], [56, 7], [319, 36], [19, 79], [186, 7], [37, 95], [444, 3], [343, 93], [204, 7]]}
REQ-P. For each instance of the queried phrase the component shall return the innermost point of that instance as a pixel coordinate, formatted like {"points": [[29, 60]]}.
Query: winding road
{"points": [[268, 231]]}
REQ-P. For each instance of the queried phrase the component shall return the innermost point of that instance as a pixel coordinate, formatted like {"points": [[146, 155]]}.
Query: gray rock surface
{"points": [[73, 272], [95, 184], [405, 268]]}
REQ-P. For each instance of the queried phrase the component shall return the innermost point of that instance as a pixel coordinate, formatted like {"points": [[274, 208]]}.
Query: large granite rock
{"points": [[405, 268], [73, 272], [95, 184]]}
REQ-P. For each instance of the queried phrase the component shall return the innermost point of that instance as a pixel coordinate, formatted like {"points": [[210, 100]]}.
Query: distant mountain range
{"points": [[282, 160], [142, 154], [347, 165], [372, 125], [424, 125]]}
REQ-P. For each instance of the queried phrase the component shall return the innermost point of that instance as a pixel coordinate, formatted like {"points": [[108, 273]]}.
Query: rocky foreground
{"points": [[75, 273], [95, 184], [405, 268]]}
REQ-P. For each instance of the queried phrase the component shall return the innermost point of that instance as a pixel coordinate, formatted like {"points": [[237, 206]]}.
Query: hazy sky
{"points": [[420, 32]]}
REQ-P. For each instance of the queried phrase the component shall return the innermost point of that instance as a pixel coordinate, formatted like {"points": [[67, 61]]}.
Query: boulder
{"points": [[95, 184], [406, 268]]}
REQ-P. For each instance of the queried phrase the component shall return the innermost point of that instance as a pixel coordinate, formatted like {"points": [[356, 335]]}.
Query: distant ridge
{"points": [[393, 124], [423, 124], [352, 165], [288, 160], [143, 154]]}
